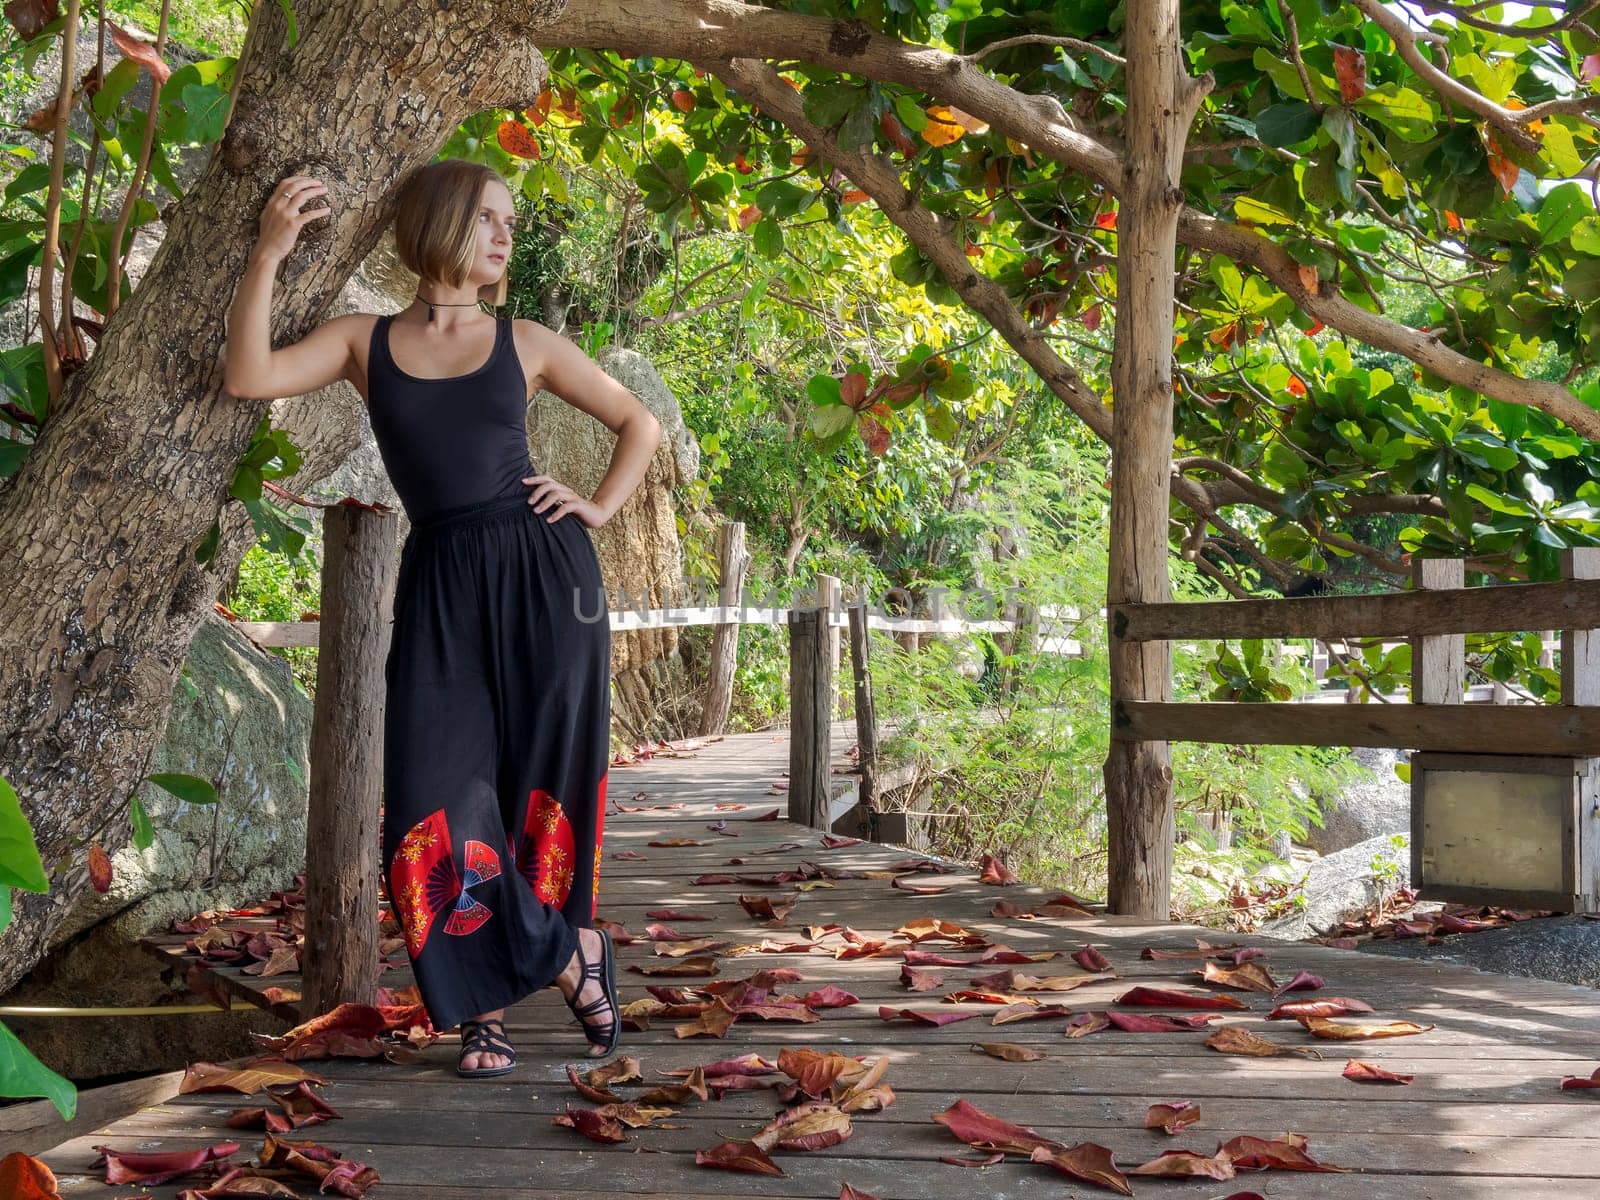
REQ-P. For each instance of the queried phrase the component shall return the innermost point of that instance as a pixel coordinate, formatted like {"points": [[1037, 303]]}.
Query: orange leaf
{"points": [[99, 868], [1186, 1164], [1106, 220], [683, 99], [25, 1178], [942, 127], [539, 111], [1363, 1072], [1451, 220], [516, 141], [895, 133], [1502, 167], [749, 215], [1350, 67], [854, 196], [1344, 1031], [141, 52], [1296, 386], [1172, 1118]]}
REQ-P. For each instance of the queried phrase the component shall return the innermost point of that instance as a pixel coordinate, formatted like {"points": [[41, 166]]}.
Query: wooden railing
{"points": [[1435, 617]]}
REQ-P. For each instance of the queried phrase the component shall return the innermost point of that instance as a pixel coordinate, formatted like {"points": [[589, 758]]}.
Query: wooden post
{"points": [[810, 718], [866, 715], [1438, 661], [1580, 648], [732, 562], [358, 578], [828, 596], [1162, 99]]}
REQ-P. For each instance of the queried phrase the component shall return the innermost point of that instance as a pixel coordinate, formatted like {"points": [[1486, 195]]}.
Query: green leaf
{"points": [[834, 419], [20, 864], [144, 834], [22, 1076], [824, 391], [767, 237], [1287, 124], [189, 788], [5, 907], [207, 109]]}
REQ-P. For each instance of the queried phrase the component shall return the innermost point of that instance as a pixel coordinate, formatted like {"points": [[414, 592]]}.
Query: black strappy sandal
{"points": [[606, 972], [479, 1037]]}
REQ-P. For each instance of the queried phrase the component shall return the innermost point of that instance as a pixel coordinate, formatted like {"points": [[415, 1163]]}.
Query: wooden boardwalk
{"points": [[1484, 1117]]}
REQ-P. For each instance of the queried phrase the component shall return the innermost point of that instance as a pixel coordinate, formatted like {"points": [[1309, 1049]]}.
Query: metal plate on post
{"points": [[1503, 829]]}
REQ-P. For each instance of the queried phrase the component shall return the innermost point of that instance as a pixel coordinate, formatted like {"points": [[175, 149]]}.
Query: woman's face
{"points": [[496, 220]]}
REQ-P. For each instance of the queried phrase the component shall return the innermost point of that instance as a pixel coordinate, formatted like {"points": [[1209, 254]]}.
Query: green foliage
{"points": [[1019, 773], [273, 587], [21, 1074]]}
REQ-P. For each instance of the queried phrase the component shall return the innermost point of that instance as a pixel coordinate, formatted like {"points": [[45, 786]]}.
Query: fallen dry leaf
{"points": [[1172, 1118], [1326, 1006], [1171, 998], [1284, 1153], [1344, 1031], [1250, 977], [1575, 1083], [1235, 1039], [1186, 1164], [1086, 1161], [1365, 1072], [1008, 1051], [737, 1156]]}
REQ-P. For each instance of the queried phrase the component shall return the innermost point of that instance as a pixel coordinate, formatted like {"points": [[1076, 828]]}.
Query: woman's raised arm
{"points": [[252, 369]]}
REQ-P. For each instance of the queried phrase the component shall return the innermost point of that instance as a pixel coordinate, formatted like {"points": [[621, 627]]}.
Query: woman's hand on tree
{"points": [[283, 218], [548, 492]]}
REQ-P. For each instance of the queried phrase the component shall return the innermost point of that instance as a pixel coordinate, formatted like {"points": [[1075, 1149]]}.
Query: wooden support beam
{"points": [[732, 562], [1461, 728], [1569, 604], [866, 715], [1580, 646], [359, 567], [829, 596], [1438, 660], [810, 718]]}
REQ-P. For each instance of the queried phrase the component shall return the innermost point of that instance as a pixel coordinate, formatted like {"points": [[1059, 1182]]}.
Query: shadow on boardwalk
{"points": [[1484, 1116]]}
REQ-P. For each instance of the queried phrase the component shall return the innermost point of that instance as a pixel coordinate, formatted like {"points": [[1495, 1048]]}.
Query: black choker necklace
{"points": [[432, 304]]}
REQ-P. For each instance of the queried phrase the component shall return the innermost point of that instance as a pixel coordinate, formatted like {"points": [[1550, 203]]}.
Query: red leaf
{"points": [[515, 140], [682, 99], [977, 1128], [141, 52], [921, 981], [125, 1166], [594, 1125], [1091, 959], [1088, 1162], [996, 872], [1286, 1153], [1350, 68], [1106, 220], [99, 868], [1172, 1118], [1159, 1022], [830, 997], [1171, 998], [875, 437], [1573, 1083], [1363, 1072], [1303, 981], [737, 1156], [925, 1016]]}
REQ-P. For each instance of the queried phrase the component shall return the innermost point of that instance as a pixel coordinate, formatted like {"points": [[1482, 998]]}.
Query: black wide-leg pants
{"points": [[496, 749]]}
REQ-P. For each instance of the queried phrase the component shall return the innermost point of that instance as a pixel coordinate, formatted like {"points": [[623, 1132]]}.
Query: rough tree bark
{"points": [[1161, 102], [101, 593]]}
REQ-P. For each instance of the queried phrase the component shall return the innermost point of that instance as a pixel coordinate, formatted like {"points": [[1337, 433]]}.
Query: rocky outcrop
{"points": [[238, 719], [1374, 803], [1345, 885]]}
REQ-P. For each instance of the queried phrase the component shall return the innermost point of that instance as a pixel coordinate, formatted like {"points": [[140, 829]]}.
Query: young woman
{"points": [[498, 676]]}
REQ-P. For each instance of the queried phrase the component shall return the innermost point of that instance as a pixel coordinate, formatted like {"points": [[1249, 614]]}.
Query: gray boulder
{"points": [[247, 727], [1344, 885], [1375, 803]]}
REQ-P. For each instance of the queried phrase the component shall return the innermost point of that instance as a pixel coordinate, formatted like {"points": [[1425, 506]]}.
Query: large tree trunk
{"points": [[1138, 775], [101, 592]]}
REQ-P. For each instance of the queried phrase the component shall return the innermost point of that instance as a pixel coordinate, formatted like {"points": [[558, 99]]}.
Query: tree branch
{"points": [[701, 31]]}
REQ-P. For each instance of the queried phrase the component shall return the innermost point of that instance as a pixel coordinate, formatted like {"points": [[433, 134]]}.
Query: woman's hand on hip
{"points": [[550, 493]]}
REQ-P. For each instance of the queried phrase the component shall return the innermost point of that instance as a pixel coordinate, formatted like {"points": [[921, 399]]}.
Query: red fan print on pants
{"points": [[424, 882], [544, 851]]}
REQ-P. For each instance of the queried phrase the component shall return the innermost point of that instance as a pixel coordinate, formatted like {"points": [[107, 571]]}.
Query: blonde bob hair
{"points": [[436, 223]]}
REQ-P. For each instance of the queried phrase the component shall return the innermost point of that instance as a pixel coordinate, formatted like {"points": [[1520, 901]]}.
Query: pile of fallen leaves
{"points": [[1397, 918], [824, 1091], [281, 1165]]}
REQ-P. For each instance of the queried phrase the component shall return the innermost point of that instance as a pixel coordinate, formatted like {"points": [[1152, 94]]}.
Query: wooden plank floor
{"points": [[1484, 1117]]}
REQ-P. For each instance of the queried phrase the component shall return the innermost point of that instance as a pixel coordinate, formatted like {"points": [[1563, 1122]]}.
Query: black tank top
{"points": [[453, 441]]}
